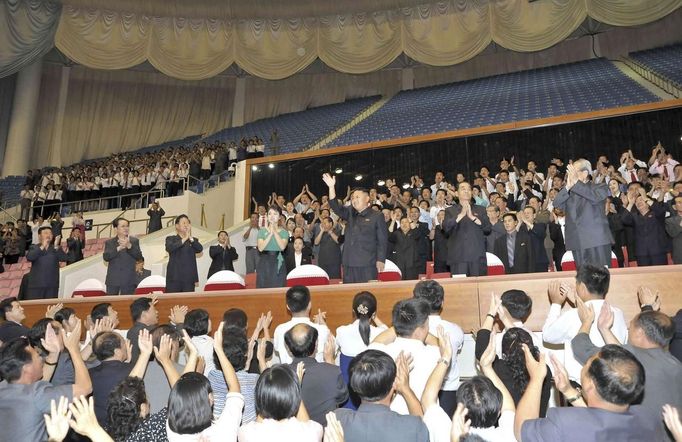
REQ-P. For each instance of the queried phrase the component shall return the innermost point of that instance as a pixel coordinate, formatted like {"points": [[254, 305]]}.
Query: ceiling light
{"points": [[271, 165], [406, 186], [358, 177], [254, 168], [381, 183], [338, 170]]}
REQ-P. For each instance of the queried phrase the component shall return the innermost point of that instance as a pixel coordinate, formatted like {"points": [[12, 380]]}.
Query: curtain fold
{"points": [[27, 29]]}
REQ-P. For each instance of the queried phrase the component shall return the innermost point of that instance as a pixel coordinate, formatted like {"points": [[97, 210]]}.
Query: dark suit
{"points": [[559, 247], [43, 280], [290, 259], [523, 253], [651, 242], [496, 231], [424, 250], [537, 240], [378, 423], [323, 388], [673, 226], [181, 273], [365, 242], [10, 330], [406, 252], [221, 258], [155, 219], [75, 253], [466, 244], [121, 278], [440, 250], [140, 276], [587, 229]]}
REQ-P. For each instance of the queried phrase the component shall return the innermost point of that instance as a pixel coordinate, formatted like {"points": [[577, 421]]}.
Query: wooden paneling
{"points": [[466, 299]]}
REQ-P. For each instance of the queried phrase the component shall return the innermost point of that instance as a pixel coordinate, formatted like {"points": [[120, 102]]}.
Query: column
{"points": [[22, 122], [239, 102]]}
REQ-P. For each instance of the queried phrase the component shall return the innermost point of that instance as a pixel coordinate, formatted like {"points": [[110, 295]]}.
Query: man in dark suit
{"points": [[323, 388], [366, 235], [182, 248], [297, 253], [556, 233], [11, 314], [140, 272], [43, 280], [537, 232], [421, 229], [514, 248], [75, 246], [673, 226], [587, 228], [651, 242], [121, 253], [467, 224], [222, 254], [155, 213]]}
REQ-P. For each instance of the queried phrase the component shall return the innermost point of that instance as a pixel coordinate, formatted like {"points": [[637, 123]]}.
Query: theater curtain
{"points": [[27, 29], [438, 33]]}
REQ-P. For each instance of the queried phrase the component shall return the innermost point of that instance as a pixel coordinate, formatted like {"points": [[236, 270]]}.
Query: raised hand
{"points": [[329, 180], [585, 312], [218, 337], [460, 424], [333, 432], [84, 419], [72, 341], [51, 342], [402, 377], [300, 371], [320, 317], [178, 313], [53, 309], [605, 321], [671, 417], [144, 342], [646, 296], [163, 352], [555, 294], [536, 369], [489, 355], [57, 422], [330, 349], [444, 344]]}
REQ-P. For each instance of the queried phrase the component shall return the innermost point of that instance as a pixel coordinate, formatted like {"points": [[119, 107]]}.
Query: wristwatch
{"points": [[444, 361], [579, 395]]}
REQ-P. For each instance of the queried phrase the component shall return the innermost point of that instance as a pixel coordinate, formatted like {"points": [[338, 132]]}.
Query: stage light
{"points": [[254, 168], [338, 170], [381, 183], [271, 165], [406, 186], [358, 177]]}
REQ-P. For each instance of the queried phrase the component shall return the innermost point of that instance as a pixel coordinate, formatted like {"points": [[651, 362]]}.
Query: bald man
{"points": [[323, 388]]}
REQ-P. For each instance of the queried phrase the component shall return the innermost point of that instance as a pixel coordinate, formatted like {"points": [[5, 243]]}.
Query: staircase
{"points": [[328, 139]]}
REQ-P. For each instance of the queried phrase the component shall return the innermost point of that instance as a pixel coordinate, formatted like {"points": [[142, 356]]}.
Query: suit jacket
{"points": [[323, 388], [221, 258], [121, 264], [523, 253], [378, 423], [44, 266], [537, 241], [155, 219], [10, 330], [674, 230], [558, 239], [424, 244], [496, 231], [440, 245], [290, 259], [140, 276], [365, 237], [586, 223], [650, 236], [75, 252], [467, 239], [182, 259], [405, 252]]}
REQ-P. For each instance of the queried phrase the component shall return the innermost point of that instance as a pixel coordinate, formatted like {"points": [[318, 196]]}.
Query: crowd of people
{"points": [[529, 219], [187, 380], [120, 180]]}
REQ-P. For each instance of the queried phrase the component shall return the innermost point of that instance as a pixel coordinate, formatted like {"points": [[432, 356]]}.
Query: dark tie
{"points": [[633, 177], [665, 173], [510, 249]]}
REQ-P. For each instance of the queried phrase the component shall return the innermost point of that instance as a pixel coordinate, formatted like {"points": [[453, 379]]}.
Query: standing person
{"points": [[182, 248], [13, 243], [222, 254], [366, 235], [405, 249], [651, 242], [43, 279], [271, 270], [587, 228], [75, 247], [673, 225], [329, 242], [120, 253], [250, 238], [79, 223], [155, 213], [440, 245], [467, 224], [56, 223]]}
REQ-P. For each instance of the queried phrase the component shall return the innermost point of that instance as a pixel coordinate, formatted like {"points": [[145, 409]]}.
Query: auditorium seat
{"points": [[89, 287], [307, 275], [224, 280], [151, 284], [665, 61], [495, 265], [391, 272], [568, 262], [250, 280]]}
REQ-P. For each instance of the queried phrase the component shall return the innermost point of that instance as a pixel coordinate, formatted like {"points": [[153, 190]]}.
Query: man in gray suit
{"points": [[673, 225], [121, 253], [587, 228]]}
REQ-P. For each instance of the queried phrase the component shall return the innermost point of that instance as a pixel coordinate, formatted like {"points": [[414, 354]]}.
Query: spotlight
{"points": [[358, 177], [271, 165], [406, 186], [338, 170], [254, 168], [381, 183]]}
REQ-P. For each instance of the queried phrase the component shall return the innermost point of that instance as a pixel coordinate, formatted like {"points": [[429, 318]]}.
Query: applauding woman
{"points": [[272, 240], [222, 254]]}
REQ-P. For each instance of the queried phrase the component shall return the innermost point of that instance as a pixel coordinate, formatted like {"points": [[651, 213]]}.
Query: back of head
{"points": [[235, 317], [517, 303], [596, 279], [298, 298], [5, 306], [277, 394], [124, 407], [430, 291], [410, 314], [482, 399], [235, 347], [372, 374], [512, 353], [64, 314], [658, 327], [100, 311], [164, 329], [13, 356], [301, 340], [139, 306], [364, 308], [189, 408], [196, 322], [617, 375], [37, 332], [104, 344]]}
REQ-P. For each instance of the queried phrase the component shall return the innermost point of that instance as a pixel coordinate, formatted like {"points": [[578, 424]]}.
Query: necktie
{"points": [[633, 177], [261, 223], [665, 172], [510, 250]]}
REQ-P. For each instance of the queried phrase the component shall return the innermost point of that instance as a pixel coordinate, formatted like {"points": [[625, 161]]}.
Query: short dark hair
{"points": [[235, 317], [410, 314], [64, 314], [223, 231], [6, 306], [517, 303], [482, 399], [301, 340], [278, 393], [118, 220], [235, 347], [123, 408], [512, 215], [164, 329], [189, 410], [595, 278], [658, 327], [180, 217], [104, 344], [37, 332], [44, 228], [13, 357], [196, 322], [100, 311], [431, 291], [139, 306], [617, 375], [298, 298], [371, 375]]}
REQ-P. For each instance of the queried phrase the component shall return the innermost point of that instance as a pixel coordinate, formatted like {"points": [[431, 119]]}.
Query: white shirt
{"points": [[288, 430], [252, 239], [225, 427], [451, 382], [204, 345], [348, 338], [297, 259], [433, 212], [439, 425], [561, 327], [425, 358], [281, 348]]}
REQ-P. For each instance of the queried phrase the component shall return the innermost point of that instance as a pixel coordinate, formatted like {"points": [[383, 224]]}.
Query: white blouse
{"points": [[350, 342]]}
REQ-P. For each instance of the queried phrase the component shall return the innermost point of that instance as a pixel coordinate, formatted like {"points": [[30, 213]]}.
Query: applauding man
{"points": [[43, 280], [182, 248], [121, 253]]}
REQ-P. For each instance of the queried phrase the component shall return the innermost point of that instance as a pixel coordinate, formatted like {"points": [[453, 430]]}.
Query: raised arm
{"points": [[144, 343], [228, 369], [435, 381], [529, 405], [83, 384]]}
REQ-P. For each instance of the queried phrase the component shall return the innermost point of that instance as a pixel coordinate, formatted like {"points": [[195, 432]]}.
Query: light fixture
{"points": [[381, 183], [406, 186], [271, 165], [358, 177], [254, 168], [338, 170]]}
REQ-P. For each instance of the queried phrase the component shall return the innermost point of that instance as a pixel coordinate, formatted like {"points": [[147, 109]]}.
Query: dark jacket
{"points": [[75, 252], [290, 259], [650, 236], [523, 253], [182, 259], [121, 264], [586, 223], [558, 238], [365, 237], [44, 266], [378, 423], [155, 219], [467, 239], [221, 258], [323, 388], [405, 251]]}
